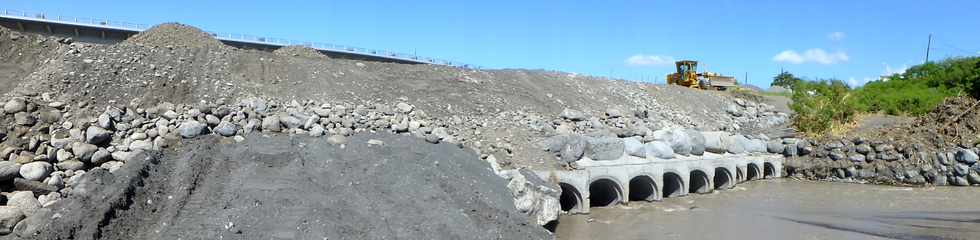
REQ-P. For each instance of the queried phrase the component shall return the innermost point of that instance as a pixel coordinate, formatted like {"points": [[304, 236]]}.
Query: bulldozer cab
{"points": [[683, 67]]}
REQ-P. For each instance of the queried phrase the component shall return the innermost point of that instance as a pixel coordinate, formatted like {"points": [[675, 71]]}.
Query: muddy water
{"points": [[789, 209]]}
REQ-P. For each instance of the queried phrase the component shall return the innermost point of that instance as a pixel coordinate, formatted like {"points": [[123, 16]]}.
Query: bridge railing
{"points": [[109, 23]]}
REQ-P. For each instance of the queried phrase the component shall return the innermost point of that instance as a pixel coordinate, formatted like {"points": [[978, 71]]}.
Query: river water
{"points": [[790, 209]]}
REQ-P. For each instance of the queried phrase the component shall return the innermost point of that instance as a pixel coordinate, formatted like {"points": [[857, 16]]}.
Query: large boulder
{"points": [[271, 124], [228, 129], [25, 201], [605, 148], [697, 141], [966, 156], [9, 217], [83, 151], [659, 149], [573, 150], [775, 146], [573, 115], [716, 142], [191, 129], [35, 171], [15, 105], [678, 140], [757, 146], [8, 170], [740, 144], [97, 135], [634, 147]]}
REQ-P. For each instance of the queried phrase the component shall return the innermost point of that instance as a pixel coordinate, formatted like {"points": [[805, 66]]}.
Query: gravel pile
{"points": [[299, 51], [175, 35], [97, 107]]}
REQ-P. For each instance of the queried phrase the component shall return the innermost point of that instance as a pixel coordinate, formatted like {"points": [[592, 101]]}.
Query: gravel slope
{"points": [[279, 187]]}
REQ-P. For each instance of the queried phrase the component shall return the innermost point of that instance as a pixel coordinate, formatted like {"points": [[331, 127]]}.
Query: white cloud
{"points": [[836, 36], [853, 82], [815, 55], [641, 60]]}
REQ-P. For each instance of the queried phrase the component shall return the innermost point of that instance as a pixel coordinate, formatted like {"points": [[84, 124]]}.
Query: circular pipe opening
{"points": [[643, 188], [570, 197], [673, 185], [753, 172], [699, 182], [769, 170], [723, 179], [604, 193]]}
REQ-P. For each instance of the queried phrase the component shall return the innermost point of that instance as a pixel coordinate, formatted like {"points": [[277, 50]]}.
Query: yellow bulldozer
{"points": [[687, 75]]}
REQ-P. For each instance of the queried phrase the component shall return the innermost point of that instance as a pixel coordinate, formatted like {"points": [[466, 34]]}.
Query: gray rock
{"points": [[291, 122], [634, 147], [317, 130], [883, 147], [404, 107], [226, 129], [606, 148], [9, 217], [271, 124], [614, 112], [125, 156], [679, 142], [63, 155], [141, 145], [659, 149], [15, 105], [50, 117], [25, 201], [573, 115], [966, 156], [35, 171], [212, 120], [863, 149], [740, 144], [757, 146], [191, 129], [24, 119], [959, 181], [97, 135], [71, 165], [790, 150], [105, 121], [8, 170], [836, 155], [961, 169], [697, 141], [775, 146], [100, 156], [857, 158], [716, 142], [432, 138], [553, 144], [337, 139], [83, 151], [573, 150], [973, 177]]}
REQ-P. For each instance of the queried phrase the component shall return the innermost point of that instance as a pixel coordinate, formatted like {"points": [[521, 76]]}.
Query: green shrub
{"points": [[821, 105]]}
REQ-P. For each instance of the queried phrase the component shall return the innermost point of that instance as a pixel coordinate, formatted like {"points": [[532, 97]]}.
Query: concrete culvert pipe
{"points": [[752, 172], [570, 199], [604, 192], [768, 170], [740, 175], [699, 182], [673, 185], [723, 178], [643, 188]]}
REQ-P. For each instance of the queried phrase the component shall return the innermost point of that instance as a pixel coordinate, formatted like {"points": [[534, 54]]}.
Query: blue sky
{"points": [[851, 40]]}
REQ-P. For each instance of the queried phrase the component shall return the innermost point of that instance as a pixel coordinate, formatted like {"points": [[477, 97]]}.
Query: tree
{"points": [[786, 80]]}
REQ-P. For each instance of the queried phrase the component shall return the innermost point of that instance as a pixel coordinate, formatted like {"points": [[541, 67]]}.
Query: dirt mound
{"points": [[299, 51], [175, 34], [955, 122], [279, 187]]}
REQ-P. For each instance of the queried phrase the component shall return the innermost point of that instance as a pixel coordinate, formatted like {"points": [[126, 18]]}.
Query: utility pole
{"points": [[928, 47]]}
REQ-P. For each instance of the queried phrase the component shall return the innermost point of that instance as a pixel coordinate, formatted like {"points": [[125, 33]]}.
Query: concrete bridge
{"points": [[105, 30], [606, 183]]}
